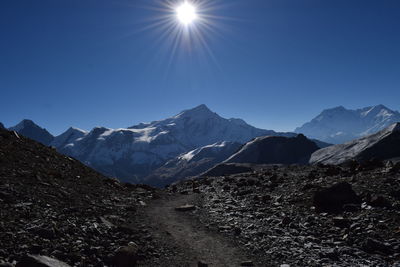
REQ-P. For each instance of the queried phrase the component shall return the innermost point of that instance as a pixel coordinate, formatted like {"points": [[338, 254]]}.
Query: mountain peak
{"points": [[339, 125], [31, 130], [199, 111], [25, 123], [200, 108]]}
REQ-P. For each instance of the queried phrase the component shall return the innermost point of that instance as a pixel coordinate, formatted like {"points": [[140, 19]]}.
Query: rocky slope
{"points": [[277, 213], [29, 129], [274, 150], [57, 212], [191, 163], [2, 126], [382, 145], [339, 125], [57, 207], [135, 152]]}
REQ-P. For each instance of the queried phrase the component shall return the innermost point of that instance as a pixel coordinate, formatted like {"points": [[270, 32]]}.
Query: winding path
{"points": [[189, 236]]}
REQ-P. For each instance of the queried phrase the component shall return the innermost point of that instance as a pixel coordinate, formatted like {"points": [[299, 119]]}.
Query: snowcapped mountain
{"points": [[275, 150], [384, 144], [68, 137], [135, 152], [192, 163], [29, 129], [339, 125]]}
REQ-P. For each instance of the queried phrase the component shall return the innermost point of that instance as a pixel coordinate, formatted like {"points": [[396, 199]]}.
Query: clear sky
{"points": [[274, 63]]}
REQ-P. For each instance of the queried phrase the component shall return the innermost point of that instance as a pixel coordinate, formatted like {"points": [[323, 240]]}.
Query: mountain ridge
{"points": [[134, 152], [33, 131], [338, 125], [382, 145]]}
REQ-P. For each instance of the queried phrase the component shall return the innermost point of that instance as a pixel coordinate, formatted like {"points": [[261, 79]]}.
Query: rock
{"points": [[202, 264], [380, 201], [351, 207], [371, 245], [341, 222], [186, 207], [126, 256], [40, 261], [45, 233], [247, 263], [333, 198]]}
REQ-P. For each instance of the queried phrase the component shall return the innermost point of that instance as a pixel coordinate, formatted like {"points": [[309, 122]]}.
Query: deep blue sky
{"points": [[275, 63]]}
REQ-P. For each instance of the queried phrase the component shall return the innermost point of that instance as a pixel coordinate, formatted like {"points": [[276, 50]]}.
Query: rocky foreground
{"points": [[57, 212], [307, 215], [53, 206]]}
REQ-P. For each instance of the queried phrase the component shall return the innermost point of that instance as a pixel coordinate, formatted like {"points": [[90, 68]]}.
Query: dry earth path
{"points": [[192, 241]]}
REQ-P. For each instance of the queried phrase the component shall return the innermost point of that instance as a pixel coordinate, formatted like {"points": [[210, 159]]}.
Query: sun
{"points": [[186, 13]]}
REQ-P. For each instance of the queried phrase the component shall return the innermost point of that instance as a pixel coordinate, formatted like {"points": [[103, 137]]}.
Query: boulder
{"points": [[333, 198], [126, 256]]}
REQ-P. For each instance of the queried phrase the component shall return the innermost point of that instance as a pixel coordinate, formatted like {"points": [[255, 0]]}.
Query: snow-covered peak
{"points": [[71, 135], [376, 111], [201, 111], [339, 125]]}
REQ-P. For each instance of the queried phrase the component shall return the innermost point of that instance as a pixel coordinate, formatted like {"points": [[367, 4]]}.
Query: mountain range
{"points": [[338, 125], [133, 153], [195, 140]]}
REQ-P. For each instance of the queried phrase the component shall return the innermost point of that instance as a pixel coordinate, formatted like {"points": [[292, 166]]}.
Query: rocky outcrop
{"points": [[275, 150], [381, 145]]}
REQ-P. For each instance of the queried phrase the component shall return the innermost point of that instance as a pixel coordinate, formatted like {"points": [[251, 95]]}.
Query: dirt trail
{"points": [[193, 241]]}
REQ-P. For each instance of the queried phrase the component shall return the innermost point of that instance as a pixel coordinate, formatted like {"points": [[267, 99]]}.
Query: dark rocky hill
{"points": [[382, 145], [275, 150], [57, 207]]}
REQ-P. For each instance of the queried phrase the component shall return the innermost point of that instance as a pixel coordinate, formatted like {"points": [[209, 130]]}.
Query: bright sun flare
{"points": [[186, 13]]}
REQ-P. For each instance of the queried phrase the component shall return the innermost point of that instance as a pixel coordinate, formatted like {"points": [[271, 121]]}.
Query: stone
{"points": [[371, 245], [202, 264], [341, 222], [126, 256], [186, 207], [332, 199], [380, 201], [40, 261]]}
